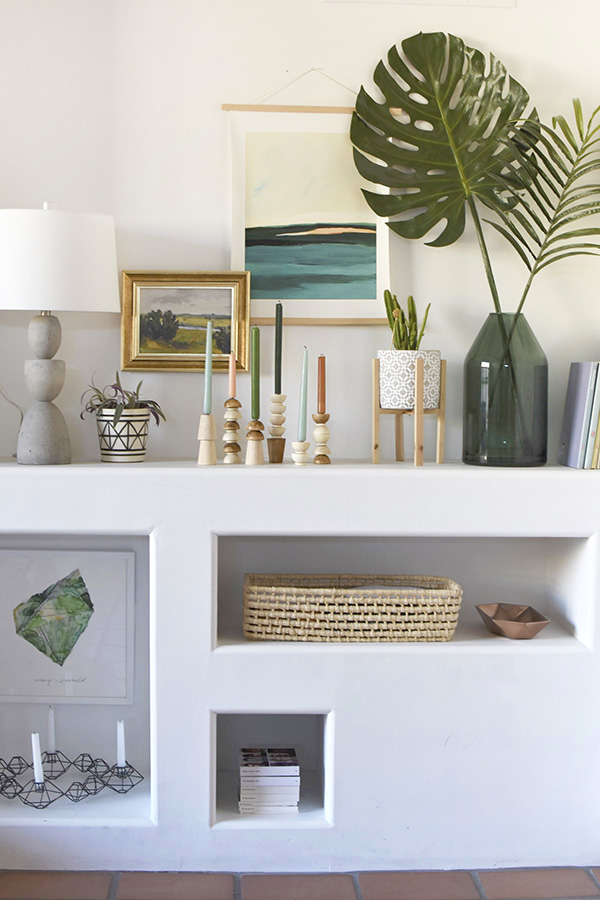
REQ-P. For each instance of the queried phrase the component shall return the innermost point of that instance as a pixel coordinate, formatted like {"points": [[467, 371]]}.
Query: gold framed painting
{"points": [[165, 317]]}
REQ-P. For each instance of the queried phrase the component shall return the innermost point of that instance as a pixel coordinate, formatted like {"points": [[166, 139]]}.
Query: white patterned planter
{"points": [[397, 378], [125, 441]]}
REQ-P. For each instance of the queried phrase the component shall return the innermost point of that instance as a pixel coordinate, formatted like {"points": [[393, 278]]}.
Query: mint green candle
{"points": [[303, 396], [208, 370], [255, 372]]}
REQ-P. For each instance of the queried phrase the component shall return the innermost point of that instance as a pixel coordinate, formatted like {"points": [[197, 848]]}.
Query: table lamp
{"points": [[52, 260]]}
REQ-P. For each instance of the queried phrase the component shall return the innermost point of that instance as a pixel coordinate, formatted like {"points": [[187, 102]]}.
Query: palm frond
{"points": [[571, 201]]}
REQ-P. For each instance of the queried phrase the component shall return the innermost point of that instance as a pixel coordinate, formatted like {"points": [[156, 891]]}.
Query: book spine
{"points": [[283, 799], [268, 810], [283, 781], [270, 771], [587, 444]]}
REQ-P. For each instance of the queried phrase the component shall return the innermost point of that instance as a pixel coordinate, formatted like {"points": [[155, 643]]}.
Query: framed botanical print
{"points": [[67, 626], [165, 317]]}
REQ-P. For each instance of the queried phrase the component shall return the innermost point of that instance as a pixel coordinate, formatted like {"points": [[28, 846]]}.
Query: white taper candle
{"points": [[121, 762], [38, 772]]}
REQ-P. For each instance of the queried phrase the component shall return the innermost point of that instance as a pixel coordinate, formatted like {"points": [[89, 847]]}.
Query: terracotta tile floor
{"points": [[499, 884]]}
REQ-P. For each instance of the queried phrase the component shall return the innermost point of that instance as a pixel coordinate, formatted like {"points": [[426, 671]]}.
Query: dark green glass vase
{"points": [[506, 395]]}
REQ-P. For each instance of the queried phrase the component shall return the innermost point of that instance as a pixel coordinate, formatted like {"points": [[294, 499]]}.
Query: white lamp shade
{"points": [[56, 260]]}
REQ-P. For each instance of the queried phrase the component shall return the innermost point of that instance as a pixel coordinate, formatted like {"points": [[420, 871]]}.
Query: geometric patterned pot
{"points": [[397, 378], [125, 441]]}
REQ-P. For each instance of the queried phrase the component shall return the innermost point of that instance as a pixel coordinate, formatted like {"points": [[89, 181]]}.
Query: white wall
{"points": [[115, 106]]}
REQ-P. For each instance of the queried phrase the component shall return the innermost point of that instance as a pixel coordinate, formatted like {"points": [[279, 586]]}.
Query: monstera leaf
{"points": [[441, 136]]}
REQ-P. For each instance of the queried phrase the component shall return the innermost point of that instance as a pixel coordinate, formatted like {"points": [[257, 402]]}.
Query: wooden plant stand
{"points": [[418, 412]]}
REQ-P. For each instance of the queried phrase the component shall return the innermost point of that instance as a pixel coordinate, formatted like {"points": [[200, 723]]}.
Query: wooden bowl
{"points": [[512, 620]]}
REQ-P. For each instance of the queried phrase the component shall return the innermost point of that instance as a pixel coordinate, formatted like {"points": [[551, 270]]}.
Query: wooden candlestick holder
{"points": [[255, 450], [276, 443], [418, 412], [300, 455], [321, 436], [231, 436], [207, 435]]}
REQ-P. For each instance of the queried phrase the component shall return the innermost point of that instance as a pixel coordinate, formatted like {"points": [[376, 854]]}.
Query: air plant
{"points": [[115, 397]]}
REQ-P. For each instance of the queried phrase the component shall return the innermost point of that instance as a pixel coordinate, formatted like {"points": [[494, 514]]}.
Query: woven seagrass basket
{"points": [[350, 607]]}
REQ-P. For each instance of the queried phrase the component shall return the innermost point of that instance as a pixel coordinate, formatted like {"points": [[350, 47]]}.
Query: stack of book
{"points": [[269, 780], [580, 435]]}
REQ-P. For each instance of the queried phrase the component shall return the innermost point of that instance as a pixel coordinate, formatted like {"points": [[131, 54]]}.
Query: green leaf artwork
{"points": [[54, 620]]}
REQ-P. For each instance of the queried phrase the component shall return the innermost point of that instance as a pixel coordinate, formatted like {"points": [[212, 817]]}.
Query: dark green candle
{"points": [[278, 342], [255, 371]]}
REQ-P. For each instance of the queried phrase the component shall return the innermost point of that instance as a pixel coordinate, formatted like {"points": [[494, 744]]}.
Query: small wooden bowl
{"points": [[512, 620]]}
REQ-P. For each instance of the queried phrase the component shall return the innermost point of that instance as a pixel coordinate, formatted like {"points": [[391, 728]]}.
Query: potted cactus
{"points": [[122, 417], [397, 365]]}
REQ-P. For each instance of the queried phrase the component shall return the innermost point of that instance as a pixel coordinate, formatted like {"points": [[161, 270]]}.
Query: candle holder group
{"points": [[40, 793], [255, 448]]}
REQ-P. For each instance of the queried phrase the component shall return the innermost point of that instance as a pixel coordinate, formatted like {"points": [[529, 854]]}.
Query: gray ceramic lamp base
{"points": [[44, 437]]}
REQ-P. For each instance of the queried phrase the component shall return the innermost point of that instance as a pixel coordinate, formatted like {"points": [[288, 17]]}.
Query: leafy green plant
{"points": [[114, 396], [453, 134], [406, 334]]}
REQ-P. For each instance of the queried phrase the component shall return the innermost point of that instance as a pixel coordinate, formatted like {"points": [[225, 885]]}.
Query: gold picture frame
{"points": [[159, 307]]}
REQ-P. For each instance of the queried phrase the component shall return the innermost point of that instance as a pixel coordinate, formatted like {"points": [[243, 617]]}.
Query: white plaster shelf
{"points": [[443, 715]]}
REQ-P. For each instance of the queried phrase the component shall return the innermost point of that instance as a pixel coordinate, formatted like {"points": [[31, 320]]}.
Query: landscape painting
{"points": [[175, 319], [300, 223], [166, 316], [307, 231]]}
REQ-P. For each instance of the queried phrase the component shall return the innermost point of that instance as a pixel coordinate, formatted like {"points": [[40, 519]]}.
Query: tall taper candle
{"points": [[232, 364], [51, 748], [255, 372], [278, 345], [38, 772], [321, 385], [121, 759], [208, 370], [303, 397]]}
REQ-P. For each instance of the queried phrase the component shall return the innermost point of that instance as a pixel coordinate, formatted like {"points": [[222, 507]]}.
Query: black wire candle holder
{"points": [[40, 794], [122, 779], [55, 764]]}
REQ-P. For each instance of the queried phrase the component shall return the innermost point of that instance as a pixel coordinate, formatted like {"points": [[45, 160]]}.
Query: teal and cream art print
{"points": [[300, 223], [67, 625], [307, 232]]}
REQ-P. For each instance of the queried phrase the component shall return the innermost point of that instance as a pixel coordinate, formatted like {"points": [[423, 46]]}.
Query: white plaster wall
{"points": [[115, 106]]}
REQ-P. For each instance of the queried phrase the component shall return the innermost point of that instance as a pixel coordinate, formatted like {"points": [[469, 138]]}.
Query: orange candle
{"points": [[232, 374], [321, 385]]}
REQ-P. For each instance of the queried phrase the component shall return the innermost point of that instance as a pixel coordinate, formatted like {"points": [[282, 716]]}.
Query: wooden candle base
{"points": [[276, 443], [321, 436], [255, 449], [300, 456], [276, 449], [231, 435], [207, 435]]}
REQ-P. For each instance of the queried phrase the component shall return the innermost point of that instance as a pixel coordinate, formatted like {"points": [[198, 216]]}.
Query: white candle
{"points": [[51, 731], [38, 772], [121, 762], [208, 370]]}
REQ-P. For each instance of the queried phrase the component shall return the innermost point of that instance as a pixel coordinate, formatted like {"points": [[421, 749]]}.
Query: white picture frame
{"points": [[247, 126], [100, 667]]}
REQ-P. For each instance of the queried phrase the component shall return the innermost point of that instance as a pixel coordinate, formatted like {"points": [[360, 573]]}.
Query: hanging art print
{"points": [[67, 626], [300, 223]]}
